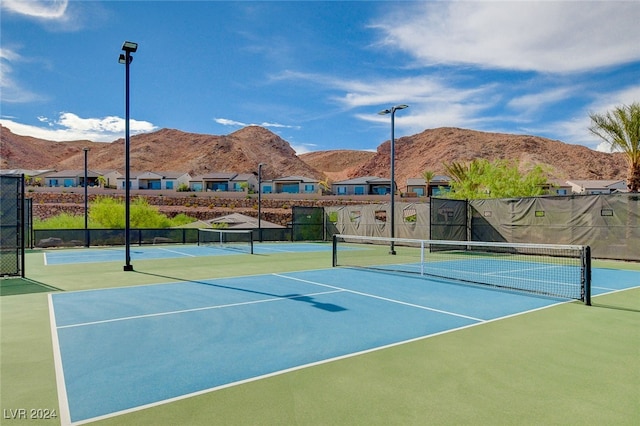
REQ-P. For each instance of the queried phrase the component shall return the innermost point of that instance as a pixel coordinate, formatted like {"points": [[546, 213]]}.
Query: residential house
{"points": [[71, 178], [558, 187], [110, 178], [597, 186], [416, 187], [213, 182], [155, 180], [437, 186], [223, 182], [244, 180], [367, 185], [292, 185], [31, 177], [266, 187]]}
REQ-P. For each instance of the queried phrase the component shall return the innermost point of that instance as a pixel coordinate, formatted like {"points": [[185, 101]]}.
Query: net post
{"points": [[334, 251], [587, 275], [251, 242], [22, 226], [422, 257]]}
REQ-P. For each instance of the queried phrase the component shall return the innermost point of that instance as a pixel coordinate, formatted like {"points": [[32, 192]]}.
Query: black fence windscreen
{"points": [[308, 223], [608, 223], [448, 220], [48, 238], [12, 227]]}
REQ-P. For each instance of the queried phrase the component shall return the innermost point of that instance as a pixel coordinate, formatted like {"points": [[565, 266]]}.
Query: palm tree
{"points": [[428, 175], [620, 128], [457, 171], [325, 186]]}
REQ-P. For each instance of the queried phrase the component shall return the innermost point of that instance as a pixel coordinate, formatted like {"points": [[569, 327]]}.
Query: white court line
{"points": [[177, 252], [63, 401], [204, 308], [383, 298], [274, 249]]}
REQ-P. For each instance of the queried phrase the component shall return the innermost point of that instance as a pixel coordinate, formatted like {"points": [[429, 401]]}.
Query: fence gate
{"points": [[12, 229]]}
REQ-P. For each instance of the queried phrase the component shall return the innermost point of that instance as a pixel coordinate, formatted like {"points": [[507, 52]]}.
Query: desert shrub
{"points": [[60, 221], [107, 212], [181, 219]]}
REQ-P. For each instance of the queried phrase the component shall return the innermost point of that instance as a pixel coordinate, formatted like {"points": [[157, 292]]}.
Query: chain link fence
{"points": [[12, 226]]}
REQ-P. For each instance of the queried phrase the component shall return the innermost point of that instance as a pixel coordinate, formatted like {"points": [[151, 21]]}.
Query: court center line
{"points": [[204, 308], [382, 298]]}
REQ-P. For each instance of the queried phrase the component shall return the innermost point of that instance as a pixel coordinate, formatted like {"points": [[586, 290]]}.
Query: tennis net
{"points": [[233, 239], [562, 271]]}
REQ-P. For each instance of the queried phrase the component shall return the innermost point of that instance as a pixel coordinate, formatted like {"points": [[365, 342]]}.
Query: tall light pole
{"points": [[86, 197], [260, 201], [392, 111], [125, 58]]}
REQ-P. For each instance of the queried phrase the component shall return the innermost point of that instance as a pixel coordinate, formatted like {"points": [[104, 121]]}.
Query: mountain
{"points": [[430, 149], [24, 152], [243, 150], [164, 150], [338, 164]]}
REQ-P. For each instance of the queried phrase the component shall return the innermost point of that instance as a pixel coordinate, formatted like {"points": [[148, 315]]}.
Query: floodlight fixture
{"points": [[129, 46]]}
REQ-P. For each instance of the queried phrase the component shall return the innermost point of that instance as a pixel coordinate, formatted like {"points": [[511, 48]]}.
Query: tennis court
{"points": [[130, 348], [69, 256], [284, 338]]}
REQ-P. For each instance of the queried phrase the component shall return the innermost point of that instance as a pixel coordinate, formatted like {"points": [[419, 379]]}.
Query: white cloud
{"points": [[558, 36], [432, 101], [41, 9], [12, 90], [608, 101], [229, 122], [535, 101], [70, 127], [57, 15], [303, 148], [278, 125], [576, 130]]}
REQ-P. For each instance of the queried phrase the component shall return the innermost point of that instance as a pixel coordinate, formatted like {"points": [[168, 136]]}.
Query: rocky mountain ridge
{"points": [[243, 150]]}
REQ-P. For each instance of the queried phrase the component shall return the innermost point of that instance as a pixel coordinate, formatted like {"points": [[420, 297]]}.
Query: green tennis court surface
{"points": [[565, 364]]}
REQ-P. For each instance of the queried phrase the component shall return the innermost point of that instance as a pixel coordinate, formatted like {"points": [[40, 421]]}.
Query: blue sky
{"points": [[317, 73]]}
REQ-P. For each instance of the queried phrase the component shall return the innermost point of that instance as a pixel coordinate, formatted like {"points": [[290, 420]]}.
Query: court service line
{"points": [[386, 299], [274, 249], [177, 252], [204, 308]]}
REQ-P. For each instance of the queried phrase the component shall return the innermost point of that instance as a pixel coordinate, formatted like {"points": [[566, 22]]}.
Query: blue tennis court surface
{"points": [[93, 255], [125, 349]]}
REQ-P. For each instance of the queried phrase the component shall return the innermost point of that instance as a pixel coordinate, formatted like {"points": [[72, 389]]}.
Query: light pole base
{"points": [[128, 268], [392, 252]]}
